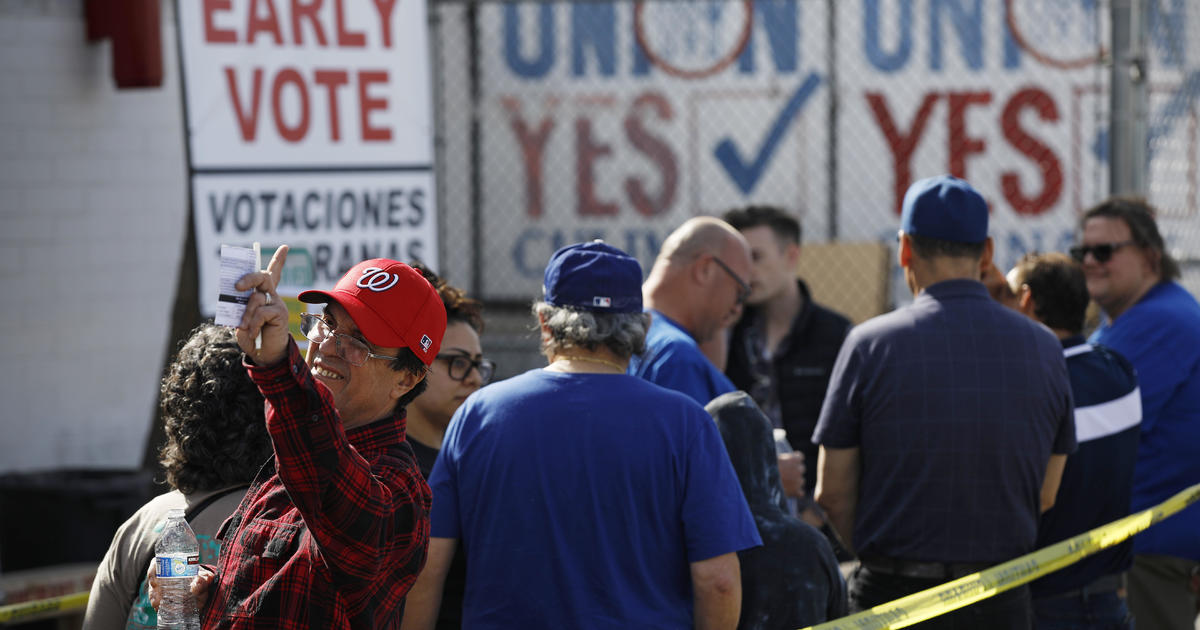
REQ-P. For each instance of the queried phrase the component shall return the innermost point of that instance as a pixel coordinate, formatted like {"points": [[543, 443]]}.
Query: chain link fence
{"points": [[1172, 76], [566, 121]]}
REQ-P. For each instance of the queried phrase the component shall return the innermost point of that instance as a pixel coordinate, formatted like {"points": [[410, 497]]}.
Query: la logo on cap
{"points": [[602, 301]]}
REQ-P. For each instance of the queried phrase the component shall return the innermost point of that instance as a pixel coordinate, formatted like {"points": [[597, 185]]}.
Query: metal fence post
{"points": [[1127, 125], [831, 33], [476, 154]]}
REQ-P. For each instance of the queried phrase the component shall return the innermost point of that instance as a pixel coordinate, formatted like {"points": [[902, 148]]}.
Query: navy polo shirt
{"points": [[956, 403], [1098, 480]]}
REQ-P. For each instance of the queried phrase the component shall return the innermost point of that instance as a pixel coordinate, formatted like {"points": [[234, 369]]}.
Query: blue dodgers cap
{"points": [[594, 276], [945, 208]]}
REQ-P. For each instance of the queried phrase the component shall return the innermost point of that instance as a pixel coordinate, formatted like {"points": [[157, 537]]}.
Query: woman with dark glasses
{"points": [[459, 370]]}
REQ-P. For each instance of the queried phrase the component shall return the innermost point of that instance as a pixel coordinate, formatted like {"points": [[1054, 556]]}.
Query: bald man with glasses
{"points": [[695, 289]]}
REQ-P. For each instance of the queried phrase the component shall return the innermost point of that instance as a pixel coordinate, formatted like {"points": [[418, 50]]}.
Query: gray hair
{"points": [[622, 333]]}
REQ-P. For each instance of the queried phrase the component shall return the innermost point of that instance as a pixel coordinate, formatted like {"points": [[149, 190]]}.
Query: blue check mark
{"points": [[746, 176]]}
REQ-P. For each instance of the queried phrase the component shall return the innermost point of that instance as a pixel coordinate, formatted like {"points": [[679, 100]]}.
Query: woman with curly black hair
{"points": [[216, 442]]}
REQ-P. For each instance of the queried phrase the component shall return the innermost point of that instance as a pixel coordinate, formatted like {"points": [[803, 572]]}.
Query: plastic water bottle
{"points": [[783, 446], [177, 561]]}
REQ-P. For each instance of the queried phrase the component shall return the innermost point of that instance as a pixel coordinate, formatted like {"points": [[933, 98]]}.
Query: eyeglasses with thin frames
{"points": [[461, 364], [351, 350], [743, 288], [1102, 252]]}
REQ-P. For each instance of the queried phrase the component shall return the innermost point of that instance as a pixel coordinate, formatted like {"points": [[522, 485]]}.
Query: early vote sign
{"points": [[309, 123]]}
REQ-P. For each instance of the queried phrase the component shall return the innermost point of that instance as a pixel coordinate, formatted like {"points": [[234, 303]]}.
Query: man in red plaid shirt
{"points": [[334, 530]]}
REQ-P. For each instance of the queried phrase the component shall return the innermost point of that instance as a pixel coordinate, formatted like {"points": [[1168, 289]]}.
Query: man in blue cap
{"points": [[585, 497], [946, 424]]}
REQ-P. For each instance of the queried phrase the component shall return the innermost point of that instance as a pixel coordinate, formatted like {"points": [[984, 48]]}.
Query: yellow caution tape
{"points": [[965, 591], [25, 610], [901, 613]]}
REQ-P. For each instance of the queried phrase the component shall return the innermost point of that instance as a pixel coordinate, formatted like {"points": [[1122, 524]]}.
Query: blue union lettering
{"points": [[541, 64], [593, 25], [968, 25], [884, 60], [593, 39], [780, 19], [965, 19]]}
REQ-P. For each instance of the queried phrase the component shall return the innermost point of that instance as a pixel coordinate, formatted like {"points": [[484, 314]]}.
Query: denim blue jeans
{"points": [[1087, 611]]}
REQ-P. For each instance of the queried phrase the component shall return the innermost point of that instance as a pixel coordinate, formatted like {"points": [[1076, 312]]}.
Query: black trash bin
{"points": [[64, 516]]}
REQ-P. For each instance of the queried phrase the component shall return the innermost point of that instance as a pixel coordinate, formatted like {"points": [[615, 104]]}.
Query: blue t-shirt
{"points": [[1098, 478], [674, 360], [1160, 335], [581, 499], [957, 404]]}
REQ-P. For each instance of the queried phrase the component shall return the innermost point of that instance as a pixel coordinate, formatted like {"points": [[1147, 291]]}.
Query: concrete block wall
{"points": [[93, 204]]}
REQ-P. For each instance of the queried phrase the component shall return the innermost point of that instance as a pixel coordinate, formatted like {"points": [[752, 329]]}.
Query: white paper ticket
{"points": [[235, 263]]}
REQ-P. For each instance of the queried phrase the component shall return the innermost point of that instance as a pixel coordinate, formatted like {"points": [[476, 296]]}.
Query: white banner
{"points": [[932, 88], [330, 222], [620, 120], [309, 124]]}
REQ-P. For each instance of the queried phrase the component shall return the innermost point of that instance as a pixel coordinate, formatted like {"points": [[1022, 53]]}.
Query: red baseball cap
{"points": [[392, 304]]}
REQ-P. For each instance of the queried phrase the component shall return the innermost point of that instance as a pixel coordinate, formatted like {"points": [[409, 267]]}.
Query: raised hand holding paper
{"points": [[235, 263], [258, 267], [263, 329]]}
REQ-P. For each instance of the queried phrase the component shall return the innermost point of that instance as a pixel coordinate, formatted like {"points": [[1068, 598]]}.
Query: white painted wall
{"points": [[92, 215]]}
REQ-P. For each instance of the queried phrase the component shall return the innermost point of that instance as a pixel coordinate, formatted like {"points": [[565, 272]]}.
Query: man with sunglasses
{"points": [[1152, 321], [946, 424], [334, 529], [695, 289]]}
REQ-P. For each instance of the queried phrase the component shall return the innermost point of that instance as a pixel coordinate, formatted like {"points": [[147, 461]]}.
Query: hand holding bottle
{"points": [[200, 586]]}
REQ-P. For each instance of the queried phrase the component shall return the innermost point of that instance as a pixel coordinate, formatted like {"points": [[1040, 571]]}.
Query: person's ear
{"points": [[544, 328], [701, 271], [1025, 301], [791, 253], [904, 252], [1153, 260], [989, 250], [404, 383]]}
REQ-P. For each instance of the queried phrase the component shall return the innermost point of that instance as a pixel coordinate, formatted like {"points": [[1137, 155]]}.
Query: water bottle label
{"points": [[177, 566]]}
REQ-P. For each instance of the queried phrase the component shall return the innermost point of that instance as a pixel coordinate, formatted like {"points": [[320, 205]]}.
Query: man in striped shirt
{"points": [[1098, 478]]}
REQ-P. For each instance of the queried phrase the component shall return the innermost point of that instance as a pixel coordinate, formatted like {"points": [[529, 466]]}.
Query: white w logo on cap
{"points": [[377, 279]]}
